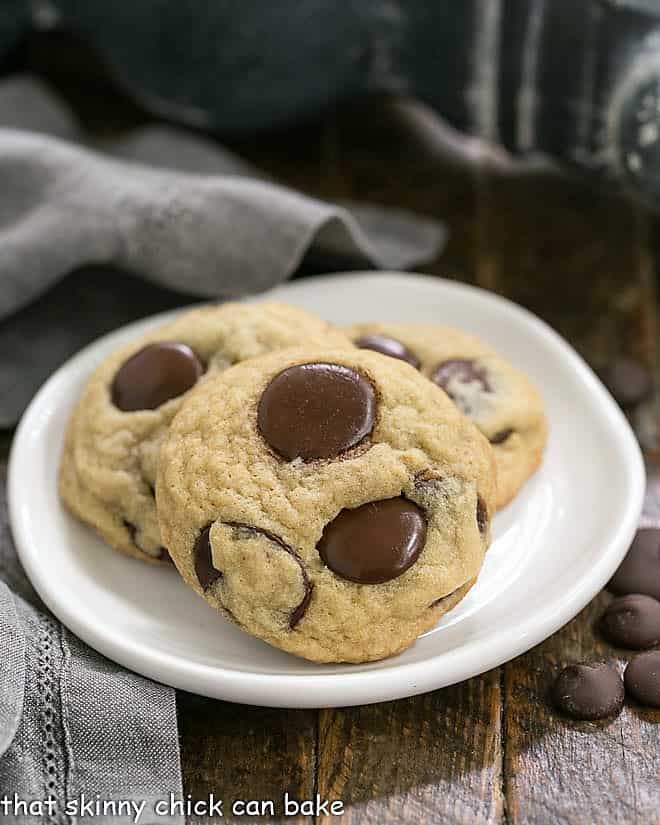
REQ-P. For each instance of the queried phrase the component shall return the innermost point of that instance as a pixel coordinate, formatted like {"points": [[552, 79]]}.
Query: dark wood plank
{"points": [[246, 753], [572, 255], [397, 152], [562, 771], [429, 759], [581, 260]]}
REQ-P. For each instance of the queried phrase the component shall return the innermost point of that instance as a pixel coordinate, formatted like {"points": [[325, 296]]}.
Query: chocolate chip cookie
{"points": [[333, 503], [500, 400], [108, 468]]}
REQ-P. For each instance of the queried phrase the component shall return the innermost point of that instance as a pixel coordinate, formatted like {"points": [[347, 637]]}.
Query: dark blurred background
{"points": [[399, 114]]}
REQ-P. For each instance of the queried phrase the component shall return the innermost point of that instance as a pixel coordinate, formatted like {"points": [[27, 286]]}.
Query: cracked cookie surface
{"points": [[332, 502], [110, 457], [500, 399]]}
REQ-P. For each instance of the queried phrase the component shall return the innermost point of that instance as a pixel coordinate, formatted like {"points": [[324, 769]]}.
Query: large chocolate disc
{"points": [[318, 410], [376, 542], [155, 374]]}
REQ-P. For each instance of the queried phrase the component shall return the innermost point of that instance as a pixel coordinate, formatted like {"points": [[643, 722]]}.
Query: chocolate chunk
{"points": [[642, 679], [632, 621], [639, 572], [482, 515], [374, 543], [450, 375], [153, 375], [629, 381], [589, 691], [387, 346], [462, 370], [501, 436], [318, 410], [206, 572]]}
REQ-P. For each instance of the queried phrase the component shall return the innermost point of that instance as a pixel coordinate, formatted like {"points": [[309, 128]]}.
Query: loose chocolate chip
{"points": [[387, 346], [153, 375], [642, 678], [589, 691], [459, 371], [629, 381], [482, 515], [375, 542], [315, 411], [632, 621], [206, 572], [501, 436], [639, 572]]}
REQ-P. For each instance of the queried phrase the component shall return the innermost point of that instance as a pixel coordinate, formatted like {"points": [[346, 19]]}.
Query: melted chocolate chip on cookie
{"points": [[387, 346], [642, 679], [131, 529], [589, 691], [203, 559], [460, 371], [376, 542], [639, 572], [316, 411], [299, 611], [501, 436], [155, 374], [482, 515]]}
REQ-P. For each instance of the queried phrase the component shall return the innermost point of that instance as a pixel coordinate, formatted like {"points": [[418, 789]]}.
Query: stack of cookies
{"points": [[329, 491]]}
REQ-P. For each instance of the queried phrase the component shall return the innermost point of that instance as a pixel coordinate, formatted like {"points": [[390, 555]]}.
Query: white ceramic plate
{"points": [[554, 547]]}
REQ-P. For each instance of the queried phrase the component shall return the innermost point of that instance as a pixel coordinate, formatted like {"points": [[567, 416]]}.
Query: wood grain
{"points": [[431, 758], [395, 152], [582, 262], [561, 771], [246, 753]]}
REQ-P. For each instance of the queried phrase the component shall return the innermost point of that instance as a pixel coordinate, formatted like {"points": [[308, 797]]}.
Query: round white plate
{"points": [[554, 547]]}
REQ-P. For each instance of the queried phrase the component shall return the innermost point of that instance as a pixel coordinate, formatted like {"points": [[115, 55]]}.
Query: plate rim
{"points": [[397, 680]]}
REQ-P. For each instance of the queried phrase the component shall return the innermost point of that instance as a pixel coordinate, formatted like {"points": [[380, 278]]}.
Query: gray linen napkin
{"points": [[74, 727], [204, 224]]}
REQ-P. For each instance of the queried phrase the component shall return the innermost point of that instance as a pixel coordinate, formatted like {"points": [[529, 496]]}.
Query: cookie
{"points": [[500, 400], [333, 503], [108, 468]]}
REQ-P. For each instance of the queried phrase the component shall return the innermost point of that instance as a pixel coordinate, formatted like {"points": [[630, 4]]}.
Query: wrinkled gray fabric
{"points": [[75, 727], [202, 224]]}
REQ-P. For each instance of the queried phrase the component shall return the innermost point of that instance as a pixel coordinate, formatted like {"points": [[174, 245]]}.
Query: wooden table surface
{"points": [[490, 750]]}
